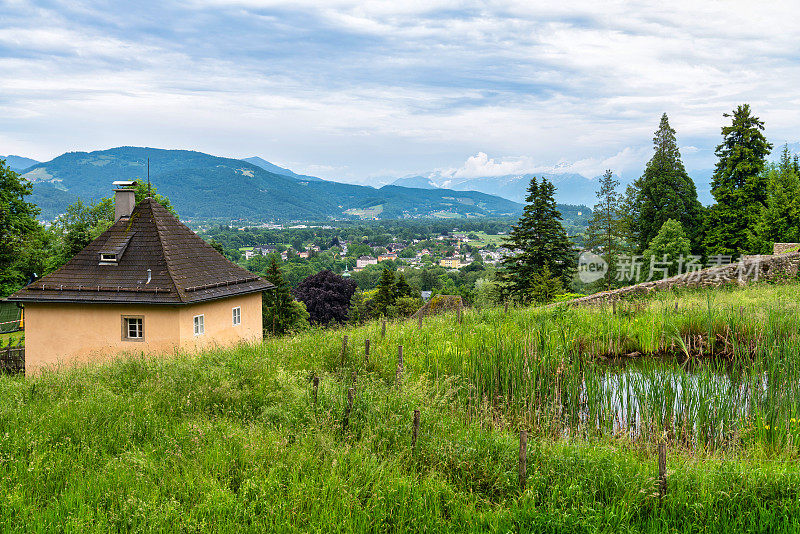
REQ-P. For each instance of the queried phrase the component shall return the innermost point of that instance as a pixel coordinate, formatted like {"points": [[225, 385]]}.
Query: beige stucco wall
{"points": [[218, 317], [65, 334]]}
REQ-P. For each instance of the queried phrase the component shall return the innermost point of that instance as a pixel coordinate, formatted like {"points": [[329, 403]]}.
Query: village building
{"points": [[450, 263], [363, 261], [148, 284], [387, 257]]}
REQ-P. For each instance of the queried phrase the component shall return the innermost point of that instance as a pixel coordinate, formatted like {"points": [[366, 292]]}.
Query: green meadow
{"points": [[237, 439]]}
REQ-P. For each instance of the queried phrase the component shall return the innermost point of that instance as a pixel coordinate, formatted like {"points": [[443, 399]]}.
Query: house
{"points": [[450, 263], [148, 284], [386, 257], [363, 261], [304, 254]]}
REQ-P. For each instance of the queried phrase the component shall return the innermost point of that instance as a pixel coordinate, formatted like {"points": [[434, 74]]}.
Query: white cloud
{"points": [[361, 88]]}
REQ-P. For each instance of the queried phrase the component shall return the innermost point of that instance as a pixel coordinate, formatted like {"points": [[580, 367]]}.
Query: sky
{"points": [[361, 90]]}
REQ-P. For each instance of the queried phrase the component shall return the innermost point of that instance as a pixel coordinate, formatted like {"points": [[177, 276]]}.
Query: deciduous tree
{"points": [[326, 296]]}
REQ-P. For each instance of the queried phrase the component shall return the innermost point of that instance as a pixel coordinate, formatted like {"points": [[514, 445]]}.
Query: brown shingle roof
{"points": [[184, 269]]}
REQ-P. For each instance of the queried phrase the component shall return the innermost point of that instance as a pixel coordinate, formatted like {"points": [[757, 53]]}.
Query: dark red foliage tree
{"points": [[326, 296]]}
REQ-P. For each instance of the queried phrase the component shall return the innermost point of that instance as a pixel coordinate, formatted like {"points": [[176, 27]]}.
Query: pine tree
{"points": [[540, 240], [739, 185], [664, 191], [605, 227], [280, 311], [781, 219], [386, 292]]}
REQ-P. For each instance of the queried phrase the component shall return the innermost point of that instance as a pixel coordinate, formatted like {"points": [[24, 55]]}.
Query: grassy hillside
{"points": [[203, 186], [233, 440]]}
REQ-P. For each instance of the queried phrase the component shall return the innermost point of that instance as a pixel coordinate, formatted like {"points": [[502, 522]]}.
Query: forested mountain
{"points": [[205, 186], [271, 167], [18, 163]]}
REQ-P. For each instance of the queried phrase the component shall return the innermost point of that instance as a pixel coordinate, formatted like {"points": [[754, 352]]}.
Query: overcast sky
{"points": [[355, 90]]}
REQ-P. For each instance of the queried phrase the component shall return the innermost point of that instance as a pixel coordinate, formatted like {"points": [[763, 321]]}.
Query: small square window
{"points": [[199, 325], [237, 315], [133, 328]]}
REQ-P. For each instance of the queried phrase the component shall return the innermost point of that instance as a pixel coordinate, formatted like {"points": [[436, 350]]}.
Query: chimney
{"points": [[124, 199]]}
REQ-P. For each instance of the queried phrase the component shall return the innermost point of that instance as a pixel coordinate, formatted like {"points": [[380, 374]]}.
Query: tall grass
{"points": [[231, 439]]}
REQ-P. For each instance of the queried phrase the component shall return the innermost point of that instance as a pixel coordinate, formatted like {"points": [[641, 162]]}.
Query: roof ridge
{"points": [[167, 261]]}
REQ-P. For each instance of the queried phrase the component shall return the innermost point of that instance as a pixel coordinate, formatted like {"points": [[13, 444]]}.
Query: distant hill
{"points": [[18, 163], [271, 167], [210, 187], [420, 182]]}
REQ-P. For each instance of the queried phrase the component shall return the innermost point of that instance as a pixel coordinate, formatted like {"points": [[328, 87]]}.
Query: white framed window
{"points": [[132, 328], [237, 315], [199, 325]]}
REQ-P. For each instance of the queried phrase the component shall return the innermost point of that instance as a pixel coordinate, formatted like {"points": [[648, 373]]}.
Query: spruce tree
{"points": [[386, 292], [279, 309], [664, 191], [605, 227], [739, 185], [401, 287], [780, 222], [537, 240]]}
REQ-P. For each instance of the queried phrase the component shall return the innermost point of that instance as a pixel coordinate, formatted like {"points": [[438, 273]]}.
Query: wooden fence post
{"points": [[366, 351], [419, 317], [662, 469], [415, 432], [344, 349], [399, 373], [273, 324], [355, 379], [523, 458], [316, 388], [383, 329], [506, 308], [348, 409]]}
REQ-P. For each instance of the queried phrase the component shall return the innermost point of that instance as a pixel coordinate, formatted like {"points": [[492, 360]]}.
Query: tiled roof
{"points": [[183, 269]]}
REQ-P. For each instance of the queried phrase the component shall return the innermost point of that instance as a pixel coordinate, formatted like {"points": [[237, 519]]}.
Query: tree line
{"points": [[659, 217]]}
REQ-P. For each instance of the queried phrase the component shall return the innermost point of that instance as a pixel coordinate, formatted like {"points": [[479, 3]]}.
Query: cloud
{"points": [[369, 88], [629, 161]]}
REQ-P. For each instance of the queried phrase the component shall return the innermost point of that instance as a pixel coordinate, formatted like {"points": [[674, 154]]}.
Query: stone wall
{"points": [[783, 248], [750, 269]]}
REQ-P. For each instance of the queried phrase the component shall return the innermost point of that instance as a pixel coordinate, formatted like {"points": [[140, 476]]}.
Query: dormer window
{"points": [[106, 258]]}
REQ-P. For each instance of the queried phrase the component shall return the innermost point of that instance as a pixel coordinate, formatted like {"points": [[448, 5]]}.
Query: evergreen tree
{"points": [[281, 313], [667, 249], [401, 287], [386, 292], [739, 185], [605, 227], [20, 233], [664, 191], [780, 222], [540, 240]]}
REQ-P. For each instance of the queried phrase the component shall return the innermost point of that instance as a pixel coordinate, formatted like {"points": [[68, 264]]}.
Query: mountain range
{"points": [[571, 188], [202, 186], [18, 163]]}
